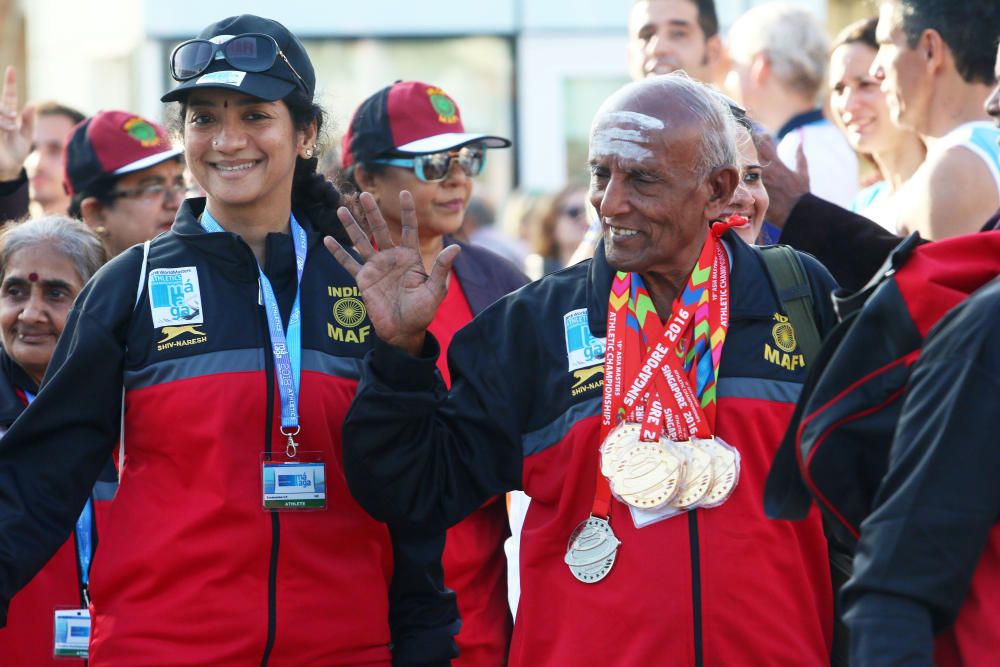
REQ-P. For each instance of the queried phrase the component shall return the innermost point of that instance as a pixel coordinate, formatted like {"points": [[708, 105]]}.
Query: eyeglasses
{"points": [[252, 52], [152, 191], [434, 167]]}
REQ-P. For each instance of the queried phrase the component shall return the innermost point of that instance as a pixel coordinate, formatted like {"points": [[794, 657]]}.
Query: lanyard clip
{"points": [[292, 446]]}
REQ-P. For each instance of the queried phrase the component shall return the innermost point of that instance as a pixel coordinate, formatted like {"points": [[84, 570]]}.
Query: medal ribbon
{"points": [[286, 348], [703, 307]]}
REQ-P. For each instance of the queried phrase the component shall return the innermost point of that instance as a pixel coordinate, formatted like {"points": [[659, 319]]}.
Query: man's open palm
{"points": [[401, 298]]}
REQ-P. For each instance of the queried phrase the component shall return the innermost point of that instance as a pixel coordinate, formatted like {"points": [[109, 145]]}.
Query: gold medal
{"points": [[617, 444], [592, 550], [725, 471], [698, 475], [648, 475]]}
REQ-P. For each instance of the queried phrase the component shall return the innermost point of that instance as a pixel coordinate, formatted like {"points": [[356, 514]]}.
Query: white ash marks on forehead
{"points": [[641, 120], [625, 134]]}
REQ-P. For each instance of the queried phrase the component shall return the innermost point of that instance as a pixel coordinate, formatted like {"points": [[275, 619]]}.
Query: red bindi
{"points": [[33, 277]]}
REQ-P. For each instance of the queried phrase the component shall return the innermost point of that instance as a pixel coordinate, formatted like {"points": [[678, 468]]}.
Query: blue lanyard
{"points": [[84, 529], [286, 347]]}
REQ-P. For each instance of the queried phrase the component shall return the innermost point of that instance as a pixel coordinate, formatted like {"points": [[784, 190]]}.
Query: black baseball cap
{"points": [[273, 84]]}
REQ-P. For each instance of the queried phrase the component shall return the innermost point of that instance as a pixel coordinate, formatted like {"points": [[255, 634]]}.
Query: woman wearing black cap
{"points": [[409, 136], [233, 539]]}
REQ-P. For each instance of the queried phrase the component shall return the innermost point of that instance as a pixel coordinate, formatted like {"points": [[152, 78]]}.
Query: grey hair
{"points": [[69, 237], [708, 108], [720, 129], [792, 39]]}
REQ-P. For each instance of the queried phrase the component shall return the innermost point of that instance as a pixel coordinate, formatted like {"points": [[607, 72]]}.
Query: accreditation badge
{"points": [[293, 483], [71, 633]]}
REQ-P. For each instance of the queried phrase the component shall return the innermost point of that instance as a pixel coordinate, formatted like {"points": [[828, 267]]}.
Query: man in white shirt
{"points": [[935, 63], [779, 56]]}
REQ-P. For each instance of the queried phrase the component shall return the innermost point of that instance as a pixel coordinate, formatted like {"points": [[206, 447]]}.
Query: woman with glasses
{"points": [[409, 136], [233, 539], [124, 177], [561, 226]]}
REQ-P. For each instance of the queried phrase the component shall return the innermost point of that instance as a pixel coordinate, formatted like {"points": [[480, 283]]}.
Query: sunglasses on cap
{"points": [[434, 167], [251, 52]]}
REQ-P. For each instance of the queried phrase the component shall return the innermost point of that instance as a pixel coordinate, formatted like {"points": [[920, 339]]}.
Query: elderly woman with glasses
{"points": [[409, 136], [125, 178]]}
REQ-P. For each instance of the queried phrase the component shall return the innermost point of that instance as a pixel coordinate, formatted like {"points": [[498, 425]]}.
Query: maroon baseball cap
{"points": [[111, 144], [408, 117]]}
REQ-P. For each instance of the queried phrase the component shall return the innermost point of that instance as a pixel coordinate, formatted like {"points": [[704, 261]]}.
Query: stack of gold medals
{"points": [[658, 454], [700, 472]]}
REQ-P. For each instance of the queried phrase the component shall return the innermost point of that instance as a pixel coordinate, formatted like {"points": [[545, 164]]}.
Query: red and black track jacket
{"points": [[191, 569], [723, 586], [27, 638], [926, 584]]}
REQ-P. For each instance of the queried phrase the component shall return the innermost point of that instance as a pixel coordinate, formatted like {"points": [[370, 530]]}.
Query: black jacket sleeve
{"points": [[423, 613], [413, 452], [14, 198], [940, 498], [851, 246], [56, 450]]}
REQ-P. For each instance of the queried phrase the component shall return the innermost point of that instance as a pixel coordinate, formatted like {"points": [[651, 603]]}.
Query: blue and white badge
{"points": [[582, 347], [72, 633], [175, 297], [295, 485]]}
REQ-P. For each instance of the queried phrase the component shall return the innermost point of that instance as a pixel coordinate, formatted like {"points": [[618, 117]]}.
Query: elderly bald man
{"points": [[638, 398]]}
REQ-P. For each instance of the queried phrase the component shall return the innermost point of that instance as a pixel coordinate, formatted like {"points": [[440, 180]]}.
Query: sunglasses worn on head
{"points": [[434, 167], [252, 52]]}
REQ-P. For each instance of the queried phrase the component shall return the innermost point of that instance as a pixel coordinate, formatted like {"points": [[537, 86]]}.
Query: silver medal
{"points": [[592, 550]]}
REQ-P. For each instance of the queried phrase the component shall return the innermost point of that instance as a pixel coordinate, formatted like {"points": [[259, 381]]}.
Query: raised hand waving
{"points": [[15, 129], [400, 296]]}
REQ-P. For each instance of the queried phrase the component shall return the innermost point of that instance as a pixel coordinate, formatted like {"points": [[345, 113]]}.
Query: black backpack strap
{"points": [[789, 277]]}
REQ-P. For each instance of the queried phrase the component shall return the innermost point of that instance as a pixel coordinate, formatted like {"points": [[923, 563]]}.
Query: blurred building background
{"points": [[533, 70]]}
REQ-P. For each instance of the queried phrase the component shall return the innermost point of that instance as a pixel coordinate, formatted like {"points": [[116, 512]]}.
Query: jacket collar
{"points": [[11, 403], [227, 250], [186, 223], [799, 120], [465, 268], [750, 292]]}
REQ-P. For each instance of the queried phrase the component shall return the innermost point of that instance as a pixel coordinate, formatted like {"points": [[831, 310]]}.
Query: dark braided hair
{"points": [[313, 195]]}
